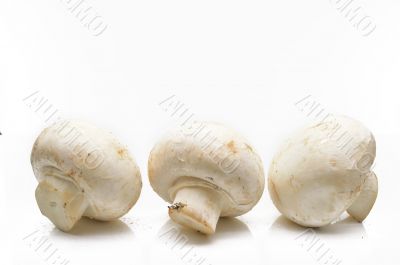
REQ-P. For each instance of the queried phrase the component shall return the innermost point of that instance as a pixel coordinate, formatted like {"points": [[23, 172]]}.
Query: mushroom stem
{"points": [[196, 207], [61, 201], [360, 209]]}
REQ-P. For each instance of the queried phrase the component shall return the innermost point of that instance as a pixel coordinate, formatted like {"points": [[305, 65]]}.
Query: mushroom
{"points": [[83, 171], [205, 179], [324, 170]]}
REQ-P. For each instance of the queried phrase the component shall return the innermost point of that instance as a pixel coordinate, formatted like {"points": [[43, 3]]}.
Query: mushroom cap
{"points": [[94, 162], [217, 158], [315, 175]]}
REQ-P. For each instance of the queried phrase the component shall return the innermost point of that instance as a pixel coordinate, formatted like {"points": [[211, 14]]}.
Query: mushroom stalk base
{"points": [[61, 201], [197, 208], [360, 209]]}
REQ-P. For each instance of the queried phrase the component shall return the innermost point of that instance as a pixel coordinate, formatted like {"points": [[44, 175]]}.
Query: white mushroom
{"points": [[205, 179], [83, 171], [320, 171]]}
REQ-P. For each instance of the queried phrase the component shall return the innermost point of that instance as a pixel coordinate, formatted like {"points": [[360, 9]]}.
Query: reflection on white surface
{"points": [[345, 226], [232, 243], [226, 228], [324, 245], [88, 241], [92, 228]]}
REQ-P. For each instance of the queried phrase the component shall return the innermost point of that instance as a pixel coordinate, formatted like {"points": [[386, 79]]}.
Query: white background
{"points": [[242, 63]]}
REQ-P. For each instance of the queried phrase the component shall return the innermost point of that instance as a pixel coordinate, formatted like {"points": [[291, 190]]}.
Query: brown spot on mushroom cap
{"points": [[231, 146], [122, 152], [332, 162], [150, 168], [71, 172], [357, 189]]}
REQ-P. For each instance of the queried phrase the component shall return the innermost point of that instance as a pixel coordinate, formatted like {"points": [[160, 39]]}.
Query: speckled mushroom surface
{"points": [[316, 174], [83, 171], [203, 178]]}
